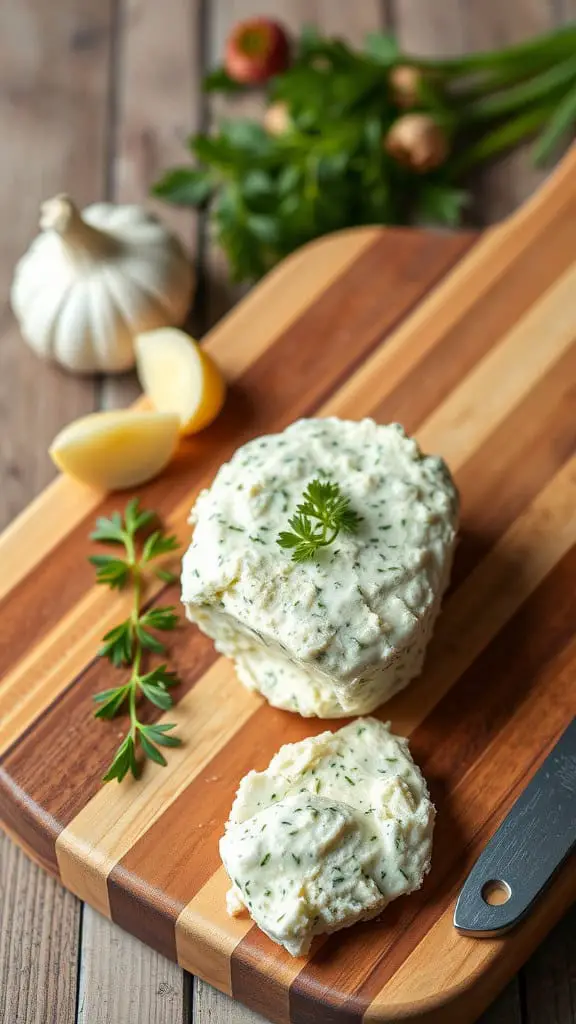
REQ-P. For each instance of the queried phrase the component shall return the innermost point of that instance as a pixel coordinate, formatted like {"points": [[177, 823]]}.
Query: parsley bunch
{"points": [[371, 137], [319, 518], [127, 643]]}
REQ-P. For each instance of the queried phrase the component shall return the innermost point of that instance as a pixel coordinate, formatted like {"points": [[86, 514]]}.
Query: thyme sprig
{"points": [[323, 512], [128, 642]]}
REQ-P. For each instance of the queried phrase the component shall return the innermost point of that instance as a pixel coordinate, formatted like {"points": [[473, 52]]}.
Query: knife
{"points": [[533, 841]]}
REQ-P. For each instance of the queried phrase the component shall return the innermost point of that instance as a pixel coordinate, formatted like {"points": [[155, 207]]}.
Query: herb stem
{"points": [[134, 684], [128, 643]]}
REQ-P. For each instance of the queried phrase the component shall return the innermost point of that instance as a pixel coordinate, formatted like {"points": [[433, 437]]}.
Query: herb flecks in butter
{"points": [[339, 863], [337, 633]]}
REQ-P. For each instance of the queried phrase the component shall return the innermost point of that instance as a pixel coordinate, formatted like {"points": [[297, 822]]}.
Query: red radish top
{"points": [[256, 49]]}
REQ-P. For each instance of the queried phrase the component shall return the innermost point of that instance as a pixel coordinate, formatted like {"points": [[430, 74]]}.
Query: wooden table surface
{"points": [[96, 97]]}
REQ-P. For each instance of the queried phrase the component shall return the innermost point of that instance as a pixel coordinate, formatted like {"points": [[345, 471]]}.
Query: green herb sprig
{"points": [[323, 512], [127, 643], [334, 165]]}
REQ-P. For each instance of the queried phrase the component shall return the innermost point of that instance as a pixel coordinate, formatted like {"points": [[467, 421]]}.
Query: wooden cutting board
{"points": [[471, 344]]}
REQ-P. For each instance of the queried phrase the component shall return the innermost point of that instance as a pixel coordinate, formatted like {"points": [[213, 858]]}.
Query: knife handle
{"points": [[527, 850]]}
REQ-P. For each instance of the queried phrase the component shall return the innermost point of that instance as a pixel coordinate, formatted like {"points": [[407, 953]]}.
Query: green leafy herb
{"points": [[126, 643], [334, 165], [323, 512]]}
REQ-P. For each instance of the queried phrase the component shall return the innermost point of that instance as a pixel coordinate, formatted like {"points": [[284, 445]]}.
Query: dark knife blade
{"points": [[532, 842]]}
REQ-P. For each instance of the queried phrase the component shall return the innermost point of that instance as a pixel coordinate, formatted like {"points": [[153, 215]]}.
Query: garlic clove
{"points": [[114, 450], [179, 377]]}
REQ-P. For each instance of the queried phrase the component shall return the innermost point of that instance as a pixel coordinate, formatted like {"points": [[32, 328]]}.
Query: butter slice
{"points": [[334, 829], [337, 635]]}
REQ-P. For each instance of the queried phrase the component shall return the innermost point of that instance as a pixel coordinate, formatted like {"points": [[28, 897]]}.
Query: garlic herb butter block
{"points": [[339, 633], [334, 829]]}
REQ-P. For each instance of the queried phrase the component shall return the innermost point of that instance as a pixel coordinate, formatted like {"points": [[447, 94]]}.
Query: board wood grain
{"points": [[481, 367]]}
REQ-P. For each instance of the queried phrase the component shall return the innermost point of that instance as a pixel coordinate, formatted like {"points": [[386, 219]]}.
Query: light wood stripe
{"points": [[205, 919], [51, 665], [467, 748], [455, 987], [206, 925], [23, 545], [113, 820], [27, 689], [108, 806], [450, 301], [261, 318], [490, 595], [455, 430], [459, 637], [498, 382], [429, 977], [114, 826], [462, 601]]}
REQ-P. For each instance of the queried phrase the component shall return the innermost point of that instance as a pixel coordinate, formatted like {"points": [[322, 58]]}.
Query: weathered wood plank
{"points": [[550, 977], [213, 1007], [39, 923], [448, 27], [123, 980], [53, 102], [157, 105], [337, 17], [52, 111], [488, 23], [498, 191], [507, 1009]]}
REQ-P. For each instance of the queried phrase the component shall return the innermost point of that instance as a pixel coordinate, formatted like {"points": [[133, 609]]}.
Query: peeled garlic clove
{"points": [[114, 450], [179, 377]]}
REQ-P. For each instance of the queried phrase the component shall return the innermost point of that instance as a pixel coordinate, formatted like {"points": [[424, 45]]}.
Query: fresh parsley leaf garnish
{"points": [[347, 151], [127, 643], [323, 512]]}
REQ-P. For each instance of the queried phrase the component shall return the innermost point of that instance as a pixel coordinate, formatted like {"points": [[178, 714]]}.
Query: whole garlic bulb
{"points": [[90, 282]]}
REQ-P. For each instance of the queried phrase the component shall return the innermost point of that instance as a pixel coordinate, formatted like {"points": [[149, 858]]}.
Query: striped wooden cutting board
{"points": [[482, 367]]}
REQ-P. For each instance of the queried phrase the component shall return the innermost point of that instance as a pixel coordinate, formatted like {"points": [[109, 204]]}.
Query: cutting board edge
{"points": [[82, 499], [451, 1006], [458, 995]]}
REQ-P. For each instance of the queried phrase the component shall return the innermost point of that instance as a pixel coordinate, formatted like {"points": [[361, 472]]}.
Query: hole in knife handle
{"points": [[495, 892]]}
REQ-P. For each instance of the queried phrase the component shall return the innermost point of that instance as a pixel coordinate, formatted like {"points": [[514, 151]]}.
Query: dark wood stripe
{"points": [[519, 666], [439, 894], [272, 393], [194, 850], [60, 760], [291, 379], [269, 997], [26, 824], [212, 793], [525, 471], [515, 462], [392, 934], [480, 329]]}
